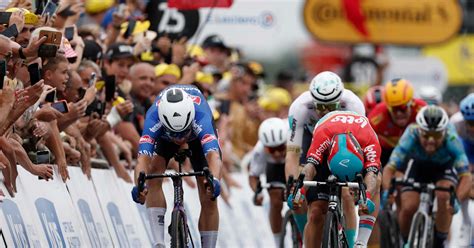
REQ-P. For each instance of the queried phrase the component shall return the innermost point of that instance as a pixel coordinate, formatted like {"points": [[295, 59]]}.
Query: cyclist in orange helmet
{"points": [[390, 118]]}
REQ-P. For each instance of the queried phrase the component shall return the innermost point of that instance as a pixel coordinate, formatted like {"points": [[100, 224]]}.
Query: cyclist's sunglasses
{"points": [[400, 108], [434, 134], [328, 106], [280, 148]]}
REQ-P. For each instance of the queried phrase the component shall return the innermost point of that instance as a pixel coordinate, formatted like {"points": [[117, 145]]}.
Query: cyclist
{"points": [[269, 157], [390, 118], [179, 116], [344, 144], [430, 94], [326, 93], [373, 97], [429, 151], [464, 123]]}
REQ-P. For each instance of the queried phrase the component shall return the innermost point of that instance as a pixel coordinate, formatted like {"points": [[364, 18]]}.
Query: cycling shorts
{"points": [[425, 172], [275, 173]]}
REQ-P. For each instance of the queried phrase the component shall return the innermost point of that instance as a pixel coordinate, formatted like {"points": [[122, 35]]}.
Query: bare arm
{"points": [[54, 143], [253, 181], [142, 165], [464, 187], [215, 164], [371, 183], [388, 173], [292, 161]]}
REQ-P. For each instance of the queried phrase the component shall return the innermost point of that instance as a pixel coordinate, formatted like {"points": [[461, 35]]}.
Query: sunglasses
{"points": [[434, 134], [400, 108], [328, 106], [280, 148]]}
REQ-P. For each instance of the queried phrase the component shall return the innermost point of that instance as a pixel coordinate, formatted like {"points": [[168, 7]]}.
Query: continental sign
{"points": [[407, 22]]}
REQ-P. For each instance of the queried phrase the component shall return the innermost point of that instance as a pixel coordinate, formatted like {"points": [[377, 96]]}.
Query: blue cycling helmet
{"points": [[467, 107], [345, 158]]}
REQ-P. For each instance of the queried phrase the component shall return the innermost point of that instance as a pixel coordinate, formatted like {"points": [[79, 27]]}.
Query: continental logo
{"points": [[391, 21]]}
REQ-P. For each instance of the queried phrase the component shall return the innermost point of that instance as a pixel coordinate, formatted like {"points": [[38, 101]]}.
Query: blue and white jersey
{"points": [[409, 146], [202, 126]]}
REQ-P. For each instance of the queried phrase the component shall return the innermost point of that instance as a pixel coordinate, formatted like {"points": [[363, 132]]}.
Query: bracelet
{"points": [[20, 52]]}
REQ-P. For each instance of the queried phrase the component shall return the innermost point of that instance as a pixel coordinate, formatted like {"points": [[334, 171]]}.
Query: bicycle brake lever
{"points": [[209, 178], [288, 186], [141, 181]]}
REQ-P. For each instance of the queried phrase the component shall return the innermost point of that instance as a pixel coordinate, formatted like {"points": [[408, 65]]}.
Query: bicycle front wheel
{"points": [[178, 230], [330, 231], [290, 229], [416, 237]]}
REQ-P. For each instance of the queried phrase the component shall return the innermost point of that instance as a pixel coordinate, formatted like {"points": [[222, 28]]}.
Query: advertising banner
{"points": [[88, 208], [123, 221], [392, 21]]}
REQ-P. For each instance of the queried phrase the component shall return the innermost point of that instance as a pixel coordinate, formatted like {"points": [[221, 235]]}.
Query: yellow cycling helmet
{"points": [[398, 92], [167, 69]]}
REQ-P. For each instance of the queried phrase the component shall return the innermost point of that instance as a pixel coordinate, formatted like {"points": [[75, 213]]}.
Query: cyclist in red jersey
{"points": [[344, 144], [373, 97], [390, 118]]}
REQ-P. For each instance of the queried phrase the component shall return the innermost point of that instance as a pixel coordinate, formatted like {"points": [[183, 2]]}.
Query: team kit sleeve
{"points": [[258, 161], [320, 143], [296, 120], [400, 153], [456, 149], [372, 150], [207, 135], [150, 132]]}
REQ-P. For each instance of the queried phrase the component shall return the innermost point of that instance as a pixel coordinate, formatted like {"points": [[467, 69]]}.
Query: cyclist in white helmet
{"points": [[430, 94], [326, 93], [269, 158], [179, 116]]}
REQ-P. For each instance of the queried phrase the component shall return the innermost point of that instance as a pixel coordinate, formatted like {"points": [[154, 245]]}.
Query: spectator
{"points": [[166, 74], [142, 76]]}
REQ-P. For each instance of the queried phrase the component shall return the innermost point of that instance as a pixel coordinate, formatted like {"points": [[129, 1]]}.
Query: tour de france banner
{"points": [[391, 21]]}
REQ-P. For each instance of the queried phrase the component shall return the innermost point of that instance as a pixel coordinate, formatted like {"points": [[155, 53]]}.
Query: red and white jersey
{"points": [[338, 122]]}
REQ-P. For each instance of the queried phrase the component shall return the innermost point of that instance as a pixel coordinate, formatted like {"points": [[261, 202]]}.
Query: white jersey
{"points": [[260, 159], [303, 115], [458, 121]]}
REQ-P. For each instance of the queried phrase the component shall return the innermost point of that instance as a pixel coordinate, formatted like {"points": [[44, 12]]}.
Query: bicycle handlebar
{"points": [[345, 184]]}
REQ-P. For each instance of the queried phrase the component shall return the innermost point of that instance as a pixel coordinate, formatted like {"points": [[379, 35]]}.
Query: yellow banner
{"points": [[409, 22], [458, 57]]}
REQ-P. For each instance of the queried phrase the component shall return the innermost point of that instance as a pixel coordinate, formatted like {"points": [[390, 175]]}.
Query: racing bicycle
{"points": [[387, 218], [333, 231], [178, 229]]}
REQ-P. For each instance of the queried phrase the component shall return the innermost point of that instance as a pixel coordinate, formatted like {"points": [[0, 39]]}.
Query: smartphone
{"points": [[49, 9], [11, 31], [130, 28], [3, 72], [42, 157], [69, 33], [60, 106], [5, 17], [109, 88], [35, 73], [51, 96], [92, 79], [52, 37]]}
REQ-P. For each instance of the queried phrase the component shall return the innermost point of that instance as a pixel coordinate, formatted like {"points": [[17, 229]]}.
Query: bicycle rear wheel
{"points": [[330, 231], [417, 229], [290, 228], [178, 230], [389, 231]]}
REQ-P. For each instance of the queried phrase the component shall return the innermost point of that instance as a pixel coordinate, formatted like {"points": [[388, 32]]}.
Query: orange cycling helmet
{"points": [[398, 92]]}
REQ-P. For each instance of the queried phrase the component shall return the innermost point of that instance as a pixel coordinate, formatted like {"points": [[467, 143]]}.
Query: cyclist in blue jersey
{"points": [[179, 117], [429, 151]]}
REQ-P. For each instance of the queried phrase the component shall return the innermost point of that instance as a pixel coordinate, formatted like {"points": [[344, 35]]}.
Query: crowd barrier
{"points": [[100, 213]]}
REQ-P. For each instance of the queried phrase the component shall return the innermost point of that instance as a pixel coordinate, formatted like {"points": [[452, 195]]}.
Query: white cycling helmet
{"points": [[272, 132], [326, 87], [430, 94], [432, 118], [176, 110]]}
